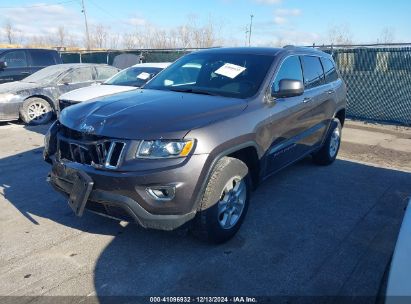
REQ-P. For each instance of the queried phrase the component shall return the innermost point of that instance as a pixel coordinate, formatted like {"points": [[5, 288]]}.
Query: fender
{"points": [[214, 162]]}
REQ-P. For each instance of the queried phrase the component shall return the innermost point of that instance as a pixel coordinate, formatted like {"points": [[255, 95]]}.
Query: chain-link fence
{"points": [[378, 81], [108, 57], [378, 78]]}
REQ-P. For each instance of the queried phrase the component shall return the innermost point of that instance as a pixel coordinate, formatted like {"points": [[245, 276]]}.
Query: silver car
{"points": [[34, 99]]}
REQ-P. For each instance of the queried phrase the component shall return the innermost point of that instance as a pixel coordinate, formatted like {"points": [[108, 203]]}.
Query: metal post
{"points": [[246, 34], [251, 26], [85, 21]]}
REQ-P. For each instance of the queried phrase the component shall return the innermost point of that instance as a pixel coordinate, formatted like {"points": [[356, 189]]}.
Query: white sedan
{"points": [[126, 80]]}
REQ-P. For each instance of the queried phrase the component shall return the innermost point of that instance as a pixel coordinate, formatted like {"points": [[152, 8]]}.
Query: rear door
{"points": [[318, 101], [17, 66], [76, 78]]}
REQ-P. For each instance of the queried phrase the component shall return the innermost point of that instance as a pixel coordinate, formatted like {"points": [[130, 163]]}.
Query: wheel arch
{"points": [[249, 156], [341, 114], [238, 151]]}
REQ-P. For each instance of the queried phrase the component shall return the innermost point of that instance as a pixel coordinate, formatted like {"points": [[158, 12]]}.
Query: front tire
{"points": [[36, 111], [225, 201], [329, 151]]}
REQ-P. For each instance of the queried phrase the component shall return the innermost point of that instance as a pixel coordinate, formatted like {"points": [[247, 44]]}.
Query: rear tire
{"points": [[329, 151], [36, 111], [224, 203]]}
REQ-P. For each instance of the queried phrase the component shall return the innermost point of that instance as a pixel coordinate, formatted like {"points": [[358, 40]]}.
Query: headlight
{"points": [[164, 148], [6, 97]]}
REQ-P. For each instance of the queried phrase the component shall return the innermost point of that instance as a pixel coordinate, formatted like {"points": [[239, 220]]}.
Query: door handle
{"points": [[25, 73], [307, 99], [329, 92]]}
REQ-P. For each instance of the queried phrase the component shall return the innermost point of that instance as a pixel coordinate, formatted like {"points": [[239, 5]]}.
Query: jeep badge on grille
{"points": [[86, 128]]}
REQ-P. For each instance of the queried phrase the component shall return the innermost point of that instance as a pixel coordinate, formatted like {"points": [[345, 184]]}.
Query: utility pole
{"points": [[85, 21], [251, 26], [246, 34]]}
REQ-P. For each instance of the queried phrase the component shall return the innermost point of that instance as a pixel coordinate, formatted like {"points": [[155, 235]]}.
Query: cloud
{"points": [[281, 37], [136, 21], [44, 19], [288, 12], [269, 2], [281, 15], [279, 20]]}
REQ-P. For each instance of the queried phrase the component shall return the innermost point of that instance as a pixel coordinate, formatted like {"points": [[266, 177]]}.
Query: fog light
{"points": [[162, 193]]}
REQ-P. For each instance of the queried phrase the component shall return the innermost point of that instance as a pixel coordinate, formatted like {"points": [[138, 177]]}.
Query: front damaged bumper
{"points": [[124, 196]]}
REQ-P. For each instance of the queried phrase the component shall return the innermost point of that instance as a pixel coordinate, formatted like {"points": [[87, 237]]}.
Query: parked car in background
{"points": [[199, 137], [16, 64], [35, 98], [126, 80]]}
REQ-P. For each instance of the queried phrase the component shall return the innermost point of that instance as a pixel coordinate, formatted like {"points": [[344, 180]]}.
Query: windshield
{"points": [[48, 74], [230, 75], [134, 76]]}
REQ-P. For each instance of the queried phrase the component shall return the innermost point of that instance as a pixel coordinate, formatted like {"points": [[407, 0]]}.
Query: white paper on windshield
{"points": [[230, 70], [143, 76]]}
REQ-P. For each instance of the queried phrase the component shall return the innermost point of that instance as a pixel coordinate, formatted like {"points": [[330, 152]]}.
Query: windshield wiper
{"points": [[194, 91]]}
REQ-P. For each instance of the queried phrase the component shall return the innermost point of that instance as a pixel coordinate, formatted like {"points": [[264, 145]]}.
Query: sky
{"points": [[299, 22]]}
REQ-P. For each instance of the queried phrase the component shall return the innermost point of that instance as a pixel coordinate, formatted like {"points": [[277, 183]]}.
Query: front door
{"points": [[286, 115], [17, 66]]}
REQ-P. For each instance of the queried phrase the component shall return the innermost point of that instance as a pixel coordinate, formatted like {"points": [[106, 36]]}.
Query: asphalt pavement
{"points": [[310, 231]]}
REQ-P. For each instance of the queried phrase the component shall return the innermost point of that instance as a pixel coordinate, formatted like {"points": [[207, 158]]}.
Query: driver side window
{"points": [[290, 69]]}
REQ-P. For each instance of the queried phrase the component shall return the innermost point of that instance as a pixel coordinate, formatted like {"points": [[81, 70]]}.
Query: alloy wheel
{"points": [[37, 111], [232, 202]]}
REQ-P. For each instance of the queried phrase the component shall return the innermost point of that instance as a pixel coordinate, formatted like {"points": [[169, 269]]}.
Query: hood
{"points": [[94, 91], [16, 86], [149, 114]]}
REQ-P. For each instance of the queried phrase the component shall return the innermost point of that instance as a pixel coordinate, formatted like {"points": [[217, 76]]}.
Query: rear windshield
{"points": [[223, 74]]}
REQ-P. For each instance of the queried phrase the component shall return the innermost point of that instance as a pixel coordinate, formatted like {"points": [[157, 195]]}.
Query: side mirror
{"points": [[3, 64], [288, 88]]}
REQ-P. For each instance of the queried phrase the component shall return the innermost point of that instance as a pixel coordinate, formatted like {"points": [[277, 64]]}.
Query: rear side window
{"points": [[79, 75], [15, 59], [313, 72], [329, 70], [105, 72], [290, 69], [42, 58]]}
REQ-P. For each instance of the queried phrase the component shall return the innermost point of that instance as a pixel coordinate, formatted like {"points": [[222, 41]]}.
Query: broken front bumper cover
{"points": [[117, 205]]}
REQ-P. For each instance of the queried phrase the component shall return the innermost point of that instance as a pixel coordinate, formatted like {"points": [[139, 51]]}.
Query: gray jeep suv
{"points": [[192, 144]]}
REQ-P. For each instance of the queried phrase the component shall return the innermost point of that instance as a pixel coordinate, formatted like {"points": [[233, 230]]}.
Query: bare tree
{"points": [[183, 36], [98, 37], [39, 41], [9, 31], [340, 34], [61, 34], [114, 39], [129, 41], [387, 35]]}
